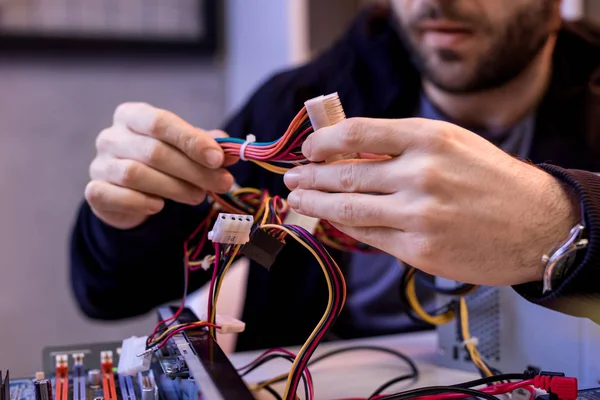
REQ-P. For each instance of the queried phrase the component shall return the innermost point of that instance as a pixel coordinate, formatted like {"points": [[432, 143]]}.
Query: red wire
{"points": [[501, 388], [182, 304], [213, 279], [183, 328]]}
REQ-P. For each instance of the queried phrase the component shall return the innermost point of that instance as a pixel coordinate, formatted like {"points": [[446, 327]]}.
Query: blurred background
{"points": [[64, 66]]}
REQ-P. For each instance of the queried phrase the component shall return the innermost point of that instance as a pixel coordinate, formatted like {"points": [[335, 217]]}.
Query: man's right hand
{"points": [[149, 155]]}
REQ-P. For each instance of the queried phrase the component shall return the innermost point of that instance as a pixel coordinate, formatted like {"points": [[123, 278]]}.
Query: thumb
{"points": [[219, 134]]}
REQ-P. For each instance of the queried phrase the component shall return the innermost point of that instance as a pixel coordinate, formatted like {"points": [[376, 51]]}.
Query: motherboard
{"points": [[190, 366]]}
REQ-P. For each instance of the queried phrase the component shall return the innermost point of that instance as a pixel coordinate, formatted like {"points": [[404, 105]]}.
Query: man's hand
{"points": [[149, 155], [447, 201]]}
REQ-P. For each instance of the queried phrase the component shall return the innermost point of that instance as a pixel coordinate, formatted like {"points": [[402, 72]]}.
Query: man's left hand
{"points": [[440, 198]]}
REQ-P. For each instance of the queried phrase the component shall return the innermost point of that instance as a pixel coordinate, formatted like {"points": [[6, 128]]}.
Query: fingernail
{"points": [[155, 206], [213, 158], [199, 196], [291, 179], [306, 148], [293, 200]]}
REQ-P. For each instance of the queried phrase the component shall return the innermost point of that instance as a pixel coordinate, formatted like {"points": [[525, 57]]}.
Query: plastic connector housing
{"points": [[564, 388], [129, 362], [227, 323], [324, 111], [263, 248], [303, 221], [231, 229]]}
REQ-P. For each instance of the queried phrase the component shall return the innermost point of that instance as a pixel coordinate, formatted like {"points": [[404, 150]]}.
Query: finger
{"points": [[163, 157], [388, 240], [229, 159], [140, 177], [344, 208], [350, 176], [109, 198], [168, 127], [368, 135]]}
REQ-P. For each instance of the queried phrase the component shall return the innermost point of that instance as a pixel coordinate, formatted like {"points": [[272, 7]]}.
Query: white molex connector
{"points": [[324, 111], [231, 229], [129, 362], [227, 324], [303, 221]]}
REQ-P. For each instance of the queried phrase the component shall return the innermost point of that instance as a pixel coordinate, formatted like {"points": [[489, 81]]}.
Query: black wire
{"points": [[428, 391], [413, 374], [391, 382], [403, 285], [395, 353], [408, 273], [273, 392], [492, 379], [459, 290], [332, 314], [271, 357]]}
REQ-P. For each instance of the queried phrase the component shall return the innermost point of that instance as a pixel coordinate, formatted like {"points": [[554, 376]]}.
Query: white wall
{"points": [[50, 113], [262, 37]]}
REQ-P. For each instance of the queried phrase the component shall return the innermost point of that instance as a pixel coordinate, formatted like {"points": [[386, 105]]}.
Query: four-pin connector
{"points": [[231, 229], [130, 360]]}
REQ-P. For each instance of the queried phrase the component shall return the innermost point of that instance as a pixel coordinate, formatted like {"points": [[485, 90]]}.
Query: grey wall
{"points": [[50, 113]]}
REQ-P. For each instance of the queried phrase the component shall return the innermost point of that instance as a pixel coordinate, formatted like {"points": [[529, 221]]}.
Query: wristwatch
{"points": [[558, 262]]}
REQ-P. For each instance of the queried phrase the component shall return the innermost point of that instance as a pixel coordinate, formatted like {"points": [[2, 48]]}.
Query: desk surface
{"points": [[359, 373]]}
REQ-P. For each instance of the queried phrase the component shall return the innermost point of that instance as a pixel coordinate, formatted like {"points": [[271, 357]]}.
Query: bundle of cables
{"points": [[561, 387], [277, 156], [268, 215], [269, 222], [263, 207]]}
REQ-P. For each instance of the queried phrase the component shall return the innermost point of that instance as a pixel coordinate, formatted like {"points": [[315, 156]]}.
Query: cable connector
{"points": [[227, 324], [263, 248], [129, 361], [303, 221], [231, 229], [562, 387], [324, 111]]}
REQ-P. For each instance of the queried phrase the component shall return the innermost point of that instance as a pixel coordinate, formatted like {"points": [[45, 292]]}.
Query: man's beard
{"points": [[512, 50]]}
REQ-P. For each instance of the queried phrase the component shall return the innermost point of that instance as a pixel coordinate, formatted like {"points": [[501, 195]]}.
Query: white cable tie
{"points": [[249, 139], [206, 264], [473, 340]]}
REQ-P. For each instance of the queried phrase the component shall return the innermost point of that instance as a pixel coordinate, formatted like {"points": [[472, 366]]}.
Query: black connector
{"points": [[262, 248]]}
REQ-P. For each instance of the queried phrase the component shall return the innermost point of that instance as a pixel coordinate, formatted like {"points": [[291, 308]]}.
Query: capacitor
{"points": [[148, 394], [43, 389], [94, 377]]}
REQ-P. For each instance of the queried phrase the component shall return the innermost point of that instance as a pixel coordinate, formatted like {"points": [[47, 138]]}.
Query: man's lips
{"points": [[444, 33], [444, 27]]}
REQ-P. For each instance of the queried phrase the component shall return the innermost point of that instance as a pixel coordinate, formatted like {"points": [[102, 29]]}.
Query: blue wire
{"points": [[240, 141]]}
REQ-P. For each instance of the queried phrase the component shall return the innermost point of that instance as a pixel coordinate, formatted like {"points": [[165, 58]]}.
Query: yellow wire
{"points": [[471, 348], [329, 302], [414, 303], [172, 328], [219, 282], [273, 168]]}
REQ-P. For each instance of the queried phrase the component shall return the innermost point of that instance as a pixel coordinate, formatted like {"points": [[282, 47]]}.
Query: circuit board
{"points": [[190, 367]]}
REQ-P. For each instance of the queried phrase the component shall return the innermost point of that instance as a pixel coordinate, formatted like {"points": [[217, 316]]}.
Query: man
{"points": [[452, 201]]}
